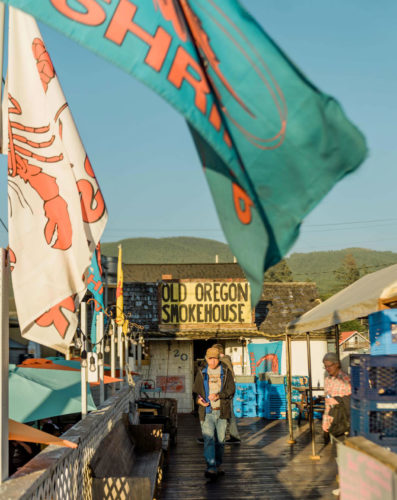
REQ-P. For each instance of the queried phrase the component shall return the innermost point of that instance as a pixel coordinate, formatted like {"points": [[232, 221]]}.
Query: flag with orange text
{"points": [[272, 143]]}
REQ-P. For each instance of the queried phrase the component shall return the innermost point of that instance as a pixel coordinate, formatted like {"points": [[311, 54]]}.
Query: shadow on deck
{"points": [[262, 467]]}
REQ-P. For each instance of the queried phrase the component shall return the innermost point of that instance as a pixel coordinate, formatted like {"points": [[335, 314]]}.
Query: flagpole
{"points": [[113, 354], [4, 347], [4, 314], [100, 351], [83, 323], [120, 352]]}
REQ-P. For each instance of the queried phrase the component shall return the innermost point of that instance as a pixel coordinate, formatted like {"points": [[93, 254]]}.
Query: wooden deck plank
{"points": [[262, 467]]}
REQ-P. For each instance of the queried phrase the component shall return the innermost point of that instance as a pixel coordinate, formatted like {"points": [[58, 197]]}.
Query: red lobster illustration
{"points": [[273, 358], [58, 225]]}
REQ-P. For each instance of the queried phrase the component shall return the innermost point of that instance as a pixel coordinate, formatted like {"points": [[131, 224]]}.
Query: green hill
{"points": [[319, 267], [180, 250]]}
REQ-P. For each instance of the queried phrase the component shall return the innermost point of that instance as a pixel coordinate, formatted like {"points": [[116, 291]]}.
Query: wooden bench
{"points": [[128, 463]]}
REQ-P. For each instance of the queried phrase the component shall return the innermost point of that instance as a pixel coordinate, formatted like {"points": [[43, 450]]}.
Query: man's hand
{"points": [[202, 401], [213, 397]]}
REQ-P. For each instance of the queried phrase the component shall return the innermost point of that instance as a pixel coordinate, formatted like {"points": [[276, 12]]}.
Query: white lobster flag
{"points": [[56, 210]]}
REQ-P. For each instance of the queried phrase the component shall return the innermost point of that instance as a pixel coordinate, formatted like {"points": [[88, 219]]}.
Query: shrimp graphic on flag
{"points": [[56, 210]]}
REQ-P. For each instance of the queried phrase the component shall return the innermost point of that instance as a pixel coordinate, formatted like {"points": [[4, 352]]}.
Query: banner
{"points": [[56, 210], [265, 357], [95, 286], [120, 318], [271, 143]]}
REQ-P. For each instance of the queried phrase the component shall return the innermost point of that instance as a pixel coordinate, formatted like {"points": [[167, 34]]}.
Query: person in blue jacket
{"points": [[214, 386]]}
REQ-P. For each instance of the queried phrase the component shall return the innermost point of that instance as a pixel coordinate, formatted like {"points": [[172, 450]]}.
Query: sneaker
{"points": [[220, 471], [233, 440], [200, 440], [211, 474]]}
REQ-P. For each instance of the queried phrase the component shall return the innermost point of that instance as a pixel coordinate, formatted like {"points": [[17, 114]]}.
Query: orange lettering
{"points": [[241, 197], [122, 22], [88, 200], [94, 15], [215, 118], [179, 72]]}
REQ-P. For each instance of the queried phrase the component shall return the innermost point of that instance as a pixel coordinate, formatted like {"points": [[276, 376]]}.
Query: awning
{"points": [[26, 433], [363, 297]]}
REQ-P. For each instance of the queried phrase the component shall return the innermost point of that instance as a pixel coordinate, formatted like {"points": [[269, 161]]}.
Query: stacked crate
{"points": [[244, 402], [383, 332], [296, 396], [271, 399], [374, 383]]}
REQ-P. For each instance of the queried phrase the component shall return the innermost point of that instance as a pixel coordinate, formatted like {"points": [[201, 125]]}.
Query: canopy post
{"points": [[83, 326], [291, 439], [4, 348], [337, 341], [311, 420]]}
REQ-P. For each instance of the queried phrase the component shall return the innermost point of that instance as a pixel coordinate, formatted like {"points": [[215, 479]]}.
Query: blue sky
{"points": [[145, 160]]}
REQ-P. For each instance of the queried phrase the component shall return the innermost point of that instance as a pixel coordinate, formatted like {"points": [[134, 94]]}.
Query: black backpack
{"points": [[341, 416]]}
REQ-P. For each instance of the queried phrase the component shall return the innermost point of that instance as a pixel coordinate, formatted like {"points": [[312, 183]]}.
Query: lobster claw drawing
{"points": [[56, 211]]}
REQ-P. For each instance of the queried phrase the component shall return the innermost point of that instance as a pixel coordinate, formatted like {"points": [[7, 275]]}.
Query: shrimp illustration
{"points": [[21, 150]]}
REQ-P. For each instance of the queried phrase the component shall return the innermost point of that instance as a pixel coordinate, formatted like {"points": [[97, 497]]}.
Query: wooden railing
{"points": [[64, 473]]}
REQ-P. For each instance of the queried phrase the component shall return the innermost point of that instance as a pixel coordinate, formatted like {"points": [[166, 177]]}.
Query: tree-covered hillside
{"points": [[323, 268], [181, 250]]}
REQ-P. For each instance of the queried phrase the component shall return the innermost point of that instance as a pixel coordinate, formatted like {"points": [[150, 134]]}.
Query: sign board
{"points": [[363, 476], [174, 384], [205, 304]]}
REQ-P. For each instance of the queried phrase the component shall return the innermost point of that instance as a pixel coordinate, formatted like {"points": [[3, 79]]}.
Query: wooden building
{"points": [[186, 308]]}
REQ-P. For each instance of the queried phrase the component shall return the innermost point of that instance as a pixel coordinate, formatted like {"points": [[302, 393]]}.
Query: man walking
{"points": [[232, 424], [214, 386]]}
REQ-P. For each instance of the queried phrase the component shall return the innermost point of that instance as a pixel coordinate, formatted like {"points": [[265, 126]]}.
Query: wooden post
{"points": [[120, 352], [4, 347], [113, 354], [291, 439], [100, 351], [83, 326], [337, 341], [311, 420], [126, 356], [139, 357]]}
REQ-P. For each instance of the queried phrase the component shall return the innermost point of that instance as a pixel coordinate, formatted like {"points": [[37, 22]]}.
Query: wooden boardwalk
{"points": [[262, 467]]}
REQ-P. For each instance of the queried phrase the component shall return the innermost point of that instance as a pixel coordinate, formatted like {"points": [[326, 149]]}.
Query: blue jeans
{"points": [[214, 432], [233, 429]]}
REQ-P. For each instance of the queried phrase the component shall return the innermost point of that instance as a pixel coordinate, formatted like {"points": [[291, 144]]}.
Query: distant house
{"points": [[352, 341]]}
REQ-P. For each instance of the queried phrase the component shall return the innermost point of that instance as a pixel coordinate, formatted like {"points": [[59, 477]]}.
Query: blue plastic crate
{"points": [[298, 381], [383, 332], [245, 411], [376, 421], [374, 377], [275, 415], [250, 412], [246, 387]]}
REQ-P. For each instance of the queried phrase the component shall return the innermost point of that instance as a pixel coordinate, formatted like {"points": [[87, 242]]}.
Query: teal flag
{"points": [[271, 143], [95, 286]]}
